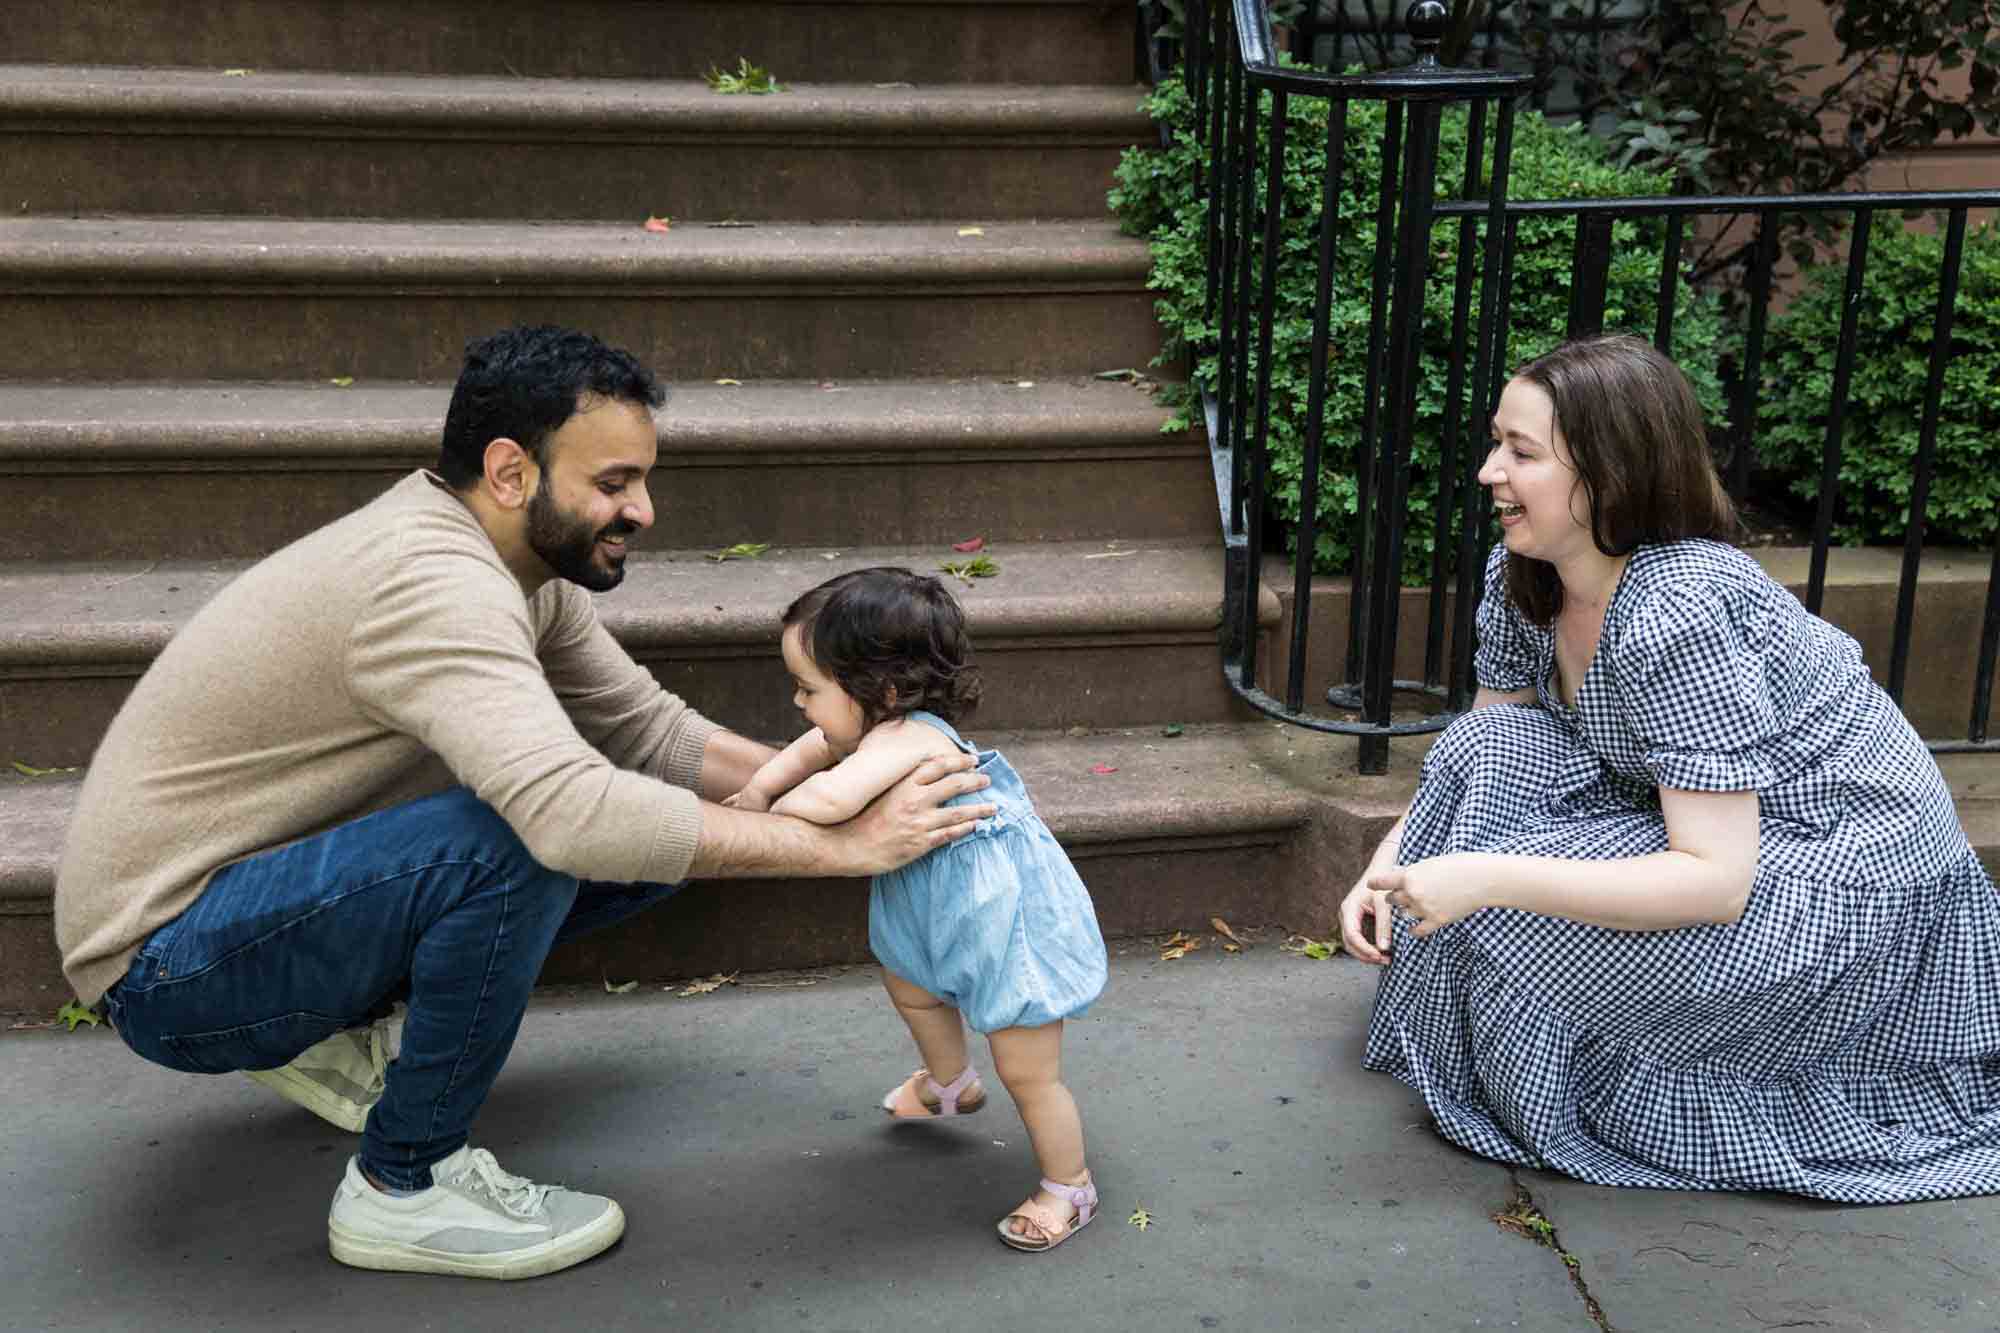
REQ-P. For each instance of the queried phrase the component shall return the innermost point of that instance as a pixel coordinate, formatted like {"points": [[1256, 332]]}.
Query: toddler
{"points": [[995, 926]]}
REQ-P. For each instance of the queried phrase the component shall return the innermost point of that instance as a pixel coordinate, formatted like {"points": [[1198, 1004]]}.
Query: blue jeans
{"points": [[436, 899]]}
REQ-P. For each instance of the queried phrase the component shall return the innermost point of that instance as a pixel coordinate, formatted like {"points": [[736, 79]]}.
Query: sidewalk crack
{"points": [[1520, 1216]]}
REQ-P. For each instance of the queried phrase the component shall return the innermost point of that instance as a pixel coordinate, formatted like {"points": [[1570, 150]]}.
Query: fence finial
{"points": [[1427, 21]]}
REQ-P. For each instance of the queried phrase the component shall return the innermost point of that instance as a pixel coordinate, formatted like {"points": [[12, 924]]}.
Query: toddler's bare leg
{"points": [[935, 1025], [1029, 1062]]}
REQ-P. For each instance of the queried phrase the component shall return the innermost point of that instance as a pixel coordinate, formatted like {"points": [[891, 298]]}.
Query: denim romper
{"points": [[996, 924]]}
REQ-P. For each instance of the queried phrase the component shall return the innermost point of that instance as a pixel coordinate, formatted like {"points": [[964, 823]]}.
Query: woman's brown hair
{"points": [[1636, 438]]}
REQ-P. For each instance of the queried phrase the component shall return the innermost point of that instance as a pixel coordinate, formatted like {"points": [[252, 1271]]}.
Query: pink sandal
{"points": [[1055, 1228], [903, 1102]]}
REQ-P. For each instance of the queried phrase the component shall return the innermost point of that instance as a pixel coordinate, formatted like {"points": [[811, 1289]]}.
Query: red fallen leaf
{"points": [[969, 545], [1102, 769], [659, 224]]}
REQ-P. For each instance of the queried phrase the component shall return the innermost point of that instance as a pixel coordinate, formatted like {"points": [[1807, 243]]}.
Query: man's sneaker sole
{"points": [[550, 1256], [315, 1097]]}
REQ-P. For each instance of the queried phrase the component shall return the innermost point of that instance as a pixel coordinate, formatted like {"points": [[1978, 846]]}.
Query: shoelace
{"points": [[518, 1195]]}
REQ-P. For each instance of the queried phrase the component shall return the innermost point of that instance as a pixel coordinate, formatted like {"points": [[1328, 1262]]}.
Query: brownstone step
{"points": [[1264, 826], [1068, 633], [1251, 823], [849, 41], [97, 139], [162, 298], [229, 471]]}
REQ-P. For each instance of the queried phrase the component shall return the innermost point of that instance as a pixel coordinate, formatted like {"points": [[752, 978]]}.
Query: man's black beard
{"points": [[569, 546]]}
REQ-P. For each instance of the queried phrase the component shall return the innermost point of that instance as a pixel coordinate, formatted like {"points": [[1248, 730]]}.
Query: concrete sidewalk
{"points": [[1287, 1188]]}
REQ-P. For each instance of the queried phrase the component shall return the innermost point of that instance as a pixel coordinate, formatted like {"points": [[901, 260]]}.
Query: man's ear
{"points": [[510, 473]]}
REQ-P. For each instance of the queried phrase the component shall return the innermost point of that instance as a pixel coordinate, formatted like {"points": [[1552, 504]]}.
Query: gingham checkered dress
{"points": [[1841, 1040]]}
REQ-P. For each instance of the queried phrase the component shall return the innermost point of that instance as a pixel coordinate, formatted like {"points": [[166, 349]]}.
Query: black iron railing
{"points": [[1241, 97]]}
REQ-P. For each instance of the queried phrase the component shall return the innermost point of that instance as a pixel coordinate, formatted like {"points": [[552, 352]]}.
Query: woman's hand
{"points": [[1360, 904], [748, 799], [1435, 892]]}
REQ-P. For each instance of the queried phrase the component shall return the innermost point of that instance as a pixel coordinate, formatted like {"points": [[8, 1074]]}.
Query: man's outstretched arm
{"points": [[727, 762]]}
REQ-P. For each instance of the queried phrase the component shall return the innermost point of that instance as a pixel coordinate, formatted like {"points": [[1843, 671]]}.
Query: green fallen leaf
{"points": [[73, 1013], [621, 988], [1140, 1218], [979, 567], [1127, 374], [740, 551], [30, 771], [1308, 947], [747, 78], [1173, 729], [342, 381]]}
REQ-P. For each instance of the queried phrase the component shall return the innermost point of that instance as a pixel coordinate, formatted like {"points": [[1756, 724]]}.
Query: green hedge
{"points": [[1886, 398], [1155, 197]]}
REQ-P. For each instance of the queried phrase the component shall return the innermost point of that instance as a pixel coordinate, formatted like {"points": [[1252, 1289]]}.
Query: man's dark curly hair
{"points": [[522, 384], [893, 639]]}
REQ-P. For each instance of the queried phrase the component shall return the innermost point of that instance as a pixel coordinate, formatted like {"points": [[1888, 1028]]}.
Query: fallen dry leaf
{"points": [[1221, 928], [1179, 945], [622, 988], [658, 224], [972, 231], [716, 982], [969, 545]]}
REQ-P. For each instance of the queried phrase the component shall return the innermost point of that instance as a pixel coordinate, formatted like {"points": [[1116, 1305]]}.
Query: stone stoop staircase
{"points": [[217, 217]]}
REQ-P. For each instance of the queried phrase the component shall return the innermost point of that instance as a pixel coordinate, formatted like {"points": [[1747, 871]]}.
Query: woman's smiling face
{"points": [[1544, 513]]}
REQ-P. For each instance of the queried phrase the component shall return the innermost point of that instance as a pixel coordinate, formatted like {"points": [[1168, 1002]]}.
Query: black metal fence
{"points": [[1241, 97]]}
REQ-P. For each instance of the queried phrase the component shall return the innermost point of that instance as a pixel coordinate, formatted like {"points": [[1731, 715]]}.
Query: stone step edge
{"points": [[133, 255], [113, 617], [53, 99], [270, 427], [1287, 779], [1219, 782]]}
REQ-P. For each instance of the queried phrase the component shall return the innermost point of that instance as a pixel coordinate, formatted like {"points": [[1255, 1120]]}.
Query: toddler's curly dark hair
{"points": [[893, 639]]}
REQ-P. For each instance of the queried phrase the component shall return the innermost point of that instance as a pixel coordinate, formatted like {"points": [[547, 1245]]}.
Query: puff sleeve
{"points": [[1694, 670], [1506, 657]]}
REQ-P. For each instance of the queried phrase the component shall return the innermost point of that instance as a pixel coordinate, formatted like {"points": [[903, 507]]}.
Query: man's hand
{"points": [[911, 818]]}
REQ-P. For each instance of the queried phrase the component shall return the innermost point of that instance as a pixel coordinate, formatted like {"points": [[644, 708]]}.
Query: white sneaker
{"points": [[339, 1079], [474, 1221]]}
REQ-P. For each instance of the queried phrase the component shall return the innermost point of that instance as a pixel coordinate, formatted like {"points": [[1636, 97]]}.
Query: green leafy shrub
{"points": [[1886, 399], [1155, 197]]}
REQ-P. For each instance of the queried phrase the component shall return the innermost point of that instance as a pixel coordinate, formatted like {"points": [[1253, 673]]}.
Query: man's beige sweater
{"points": [[384, 657]]}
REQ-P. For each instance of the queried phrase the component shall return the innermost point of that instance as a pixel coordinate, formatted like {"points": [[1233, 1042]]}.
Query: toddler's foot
{"points": [[920, 1097], [1051, 1215]]}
